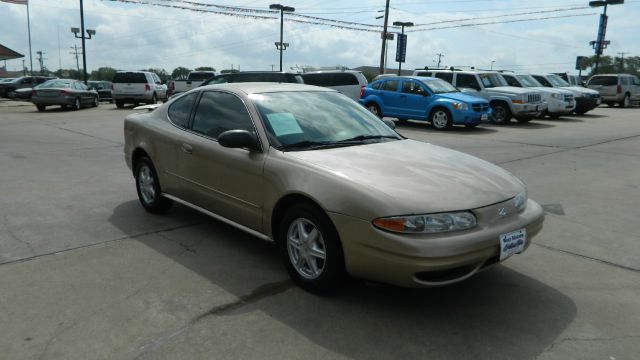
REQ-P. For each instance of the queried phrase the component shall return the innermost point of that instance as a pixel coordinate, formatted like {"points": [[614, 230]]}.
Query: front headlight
{"points": [[557, 96], [429, 223], [520, 200], [460, 106]]}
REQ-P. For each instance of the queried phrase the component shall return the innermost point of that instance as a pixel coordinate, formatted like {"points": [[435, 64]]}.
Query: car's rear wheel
{"points": [[501, 114], [374, 109], [440, 119], [148, 187], [626, 101], [41, 108], [76, 104], [154, 99], [311, 249], [610, 104], [119, 104]]}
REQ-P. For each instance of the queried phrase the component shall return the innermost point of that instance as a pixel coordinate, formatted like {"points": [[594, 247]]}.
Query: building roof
{"points": [[8, 54]]}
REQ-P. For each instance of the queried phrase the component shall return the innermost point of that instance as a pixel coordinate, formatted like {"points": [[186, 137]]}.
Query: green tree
{"points": [[180, 73], [229, 71], [613, 65], [103, 74], [205, 68]]}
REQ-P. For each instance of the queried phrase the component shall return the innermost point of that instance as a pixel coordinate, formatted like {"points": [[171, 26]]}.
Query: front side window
{"points": [[412, 87], [467, 81], [180, 110], [542, 80], [511, 80], [490, 80], [529, 81], [390, 85], [557, 81], [448, 77], [218, 112]]}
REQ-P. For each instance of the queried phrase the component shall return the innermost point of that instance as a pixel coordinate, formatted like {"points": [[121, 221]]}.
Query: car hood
{"points": [[581, 89], [460, 96], [548, 90], [416, 177], [510, 90]]}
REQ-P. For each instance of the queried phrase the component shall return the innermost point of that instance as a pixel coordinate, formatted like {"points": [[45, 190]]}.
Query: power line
{"points": [[501, 22]]}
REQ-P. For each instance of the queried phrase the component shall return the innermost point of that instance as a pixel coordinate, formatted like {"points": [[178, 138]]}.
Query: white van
{"points": [[348, 82]]}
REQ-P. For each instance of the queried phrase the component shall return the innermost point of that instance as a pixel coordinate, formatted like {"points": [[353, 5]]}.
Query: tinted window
{"points": [[376, 85], [542, 80], [330, 79], [180, 110], [390, 85], [221, 79], [604, 80], [316, 79], [448, 77], [343, 79], [200, 76], [129, 78], [467, 81], [412, 87], [247, 78], [422, 73], [218, 112], [511, 80], [636, 81]]}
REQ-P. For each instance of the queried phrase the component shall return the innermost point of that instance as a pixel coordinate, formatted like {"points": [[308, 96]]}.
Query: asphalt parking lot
{"points": [[86, 273]]}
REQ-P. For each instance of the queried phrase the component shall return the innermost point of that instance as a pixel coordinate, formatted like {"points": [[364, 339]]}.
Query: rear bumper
{"points": [[67, 100]]}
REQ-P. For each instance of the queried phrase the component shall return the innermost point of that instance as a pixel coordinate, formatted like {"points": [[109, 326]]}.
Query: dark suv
{"points": [[8, 89], [255, 76]]}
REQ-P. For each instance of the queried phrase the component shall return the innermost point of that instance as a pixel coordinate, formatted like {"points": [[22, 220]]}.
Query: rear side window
{"points": [[390, 85], [316, 79], [130, 78], [376, 85], [330, 79], [467, 81], [448, 77], [180, 110], [604, 80], [222, 79], [421, 73], [344, 79], [218, 112]]}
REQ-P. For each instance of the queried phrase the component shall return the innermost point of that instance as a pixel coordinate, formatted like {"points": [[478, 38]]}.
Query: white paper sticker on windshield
{"points": [[284, 124]]}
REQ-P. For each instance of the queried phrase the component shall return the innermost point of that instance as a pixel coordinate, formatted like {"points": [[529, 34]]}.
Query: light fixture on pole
{"points": [[79, 33], [600, 43], [492, 61], [281, 45], [401, 44]]}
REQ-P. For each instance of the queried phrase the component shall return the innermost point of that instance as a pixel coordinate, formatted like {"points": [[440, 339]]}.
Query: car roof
{"points": [[265, 87], [407, 77]]}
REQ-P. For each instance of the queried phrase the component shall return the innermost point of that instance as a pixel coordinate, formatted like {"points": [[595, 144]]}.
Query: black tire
{"points": [[374, 109], [136, 104], [148, 187], [327, 274], [524, 120], [501, 114], [402, 121], [41, 108], [154, 99], [440, 118], [610, 104], [11, 93], [581, 112], [471, 126], [119, 104], [96, 101], [76, 104], [626, 101]]}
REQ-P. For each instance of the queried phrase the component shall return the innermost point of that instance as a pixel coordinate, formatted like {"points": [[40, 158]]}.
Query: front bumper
{"points": [[471, 117], [527, 111], [427, 260], [560, 107]]}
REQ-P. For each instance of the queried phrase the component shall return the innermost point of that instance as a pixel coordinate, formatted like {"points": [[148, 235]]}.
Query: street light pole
{"points": [[90, 32], [280, 45], [400, 39]]}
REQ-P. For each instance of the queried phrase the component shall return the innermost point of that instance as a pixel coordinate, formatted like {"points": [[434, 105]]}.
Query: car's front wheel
{"points": [[440, 119], [76, 104], [148, 187], [41, 108], [119, 104], [154, 99], [626, 101], [96, 101], [374, 109], [311, 249], [501, 114]]}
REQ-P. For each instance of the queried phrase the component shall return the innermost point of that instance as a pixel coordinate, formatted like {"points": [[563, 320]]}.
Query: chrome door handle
{"points": [[187, 149]]}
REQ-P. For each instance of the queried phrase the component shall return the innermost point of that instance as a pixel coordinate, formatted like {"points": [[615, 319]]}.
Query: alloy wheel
{"points": [[306, 248], [146, 183]]}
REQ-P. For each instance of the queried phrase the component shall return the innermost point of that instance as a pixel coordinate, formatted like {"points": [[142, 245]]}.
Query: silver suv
{"points": [[505, 101], [623, 89], [137, 87], [348, 82], [559, 101]]}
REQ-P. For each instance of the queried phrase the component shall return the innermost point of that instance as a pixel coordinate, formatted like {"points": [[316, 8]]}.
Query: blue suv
{"points": [[424, 98]]}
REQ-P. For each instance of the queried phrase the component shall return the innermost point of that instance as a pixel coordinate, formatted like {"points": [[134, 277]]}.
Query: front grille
{"points": [[480, 107], [595, 96], [568, 97], [534, 98]]}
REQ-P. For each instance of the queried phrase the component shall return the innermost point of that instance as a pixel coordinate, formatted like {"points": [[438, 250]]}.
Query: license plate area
{"points": [[484, 117], [512, 243]]}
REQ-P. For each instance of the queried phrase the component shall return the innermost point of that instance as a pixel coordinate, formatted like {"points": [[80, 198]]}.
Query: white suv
{"points": [[137, 87], [348, 82]]}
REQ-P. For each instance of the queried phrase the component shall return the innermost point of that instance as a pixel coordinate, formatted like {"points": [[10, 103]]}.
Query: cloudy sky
{"points": [[136, 36]]}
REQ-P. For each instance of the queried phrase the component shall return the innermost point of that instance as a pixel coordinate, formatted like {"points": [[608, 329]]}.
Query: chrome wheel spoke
{"points": [[317, 253], [306, 248]]}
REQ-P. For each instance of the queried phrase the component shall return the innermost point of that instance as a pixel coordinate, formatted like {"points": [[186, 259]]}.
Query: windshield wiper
{"points": [[310, 145], [367, 137]]}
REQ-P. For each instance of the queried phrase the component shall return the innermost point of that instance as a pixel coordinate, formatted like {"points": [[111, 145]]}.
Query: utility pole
{"points": [[75, 47], [439, 58], [621, 61], [384, 38]]}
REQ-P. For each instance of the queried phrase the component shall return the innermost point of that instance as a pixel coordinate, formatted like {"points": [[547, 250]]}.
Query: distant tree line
{"points": [[612, 65]]}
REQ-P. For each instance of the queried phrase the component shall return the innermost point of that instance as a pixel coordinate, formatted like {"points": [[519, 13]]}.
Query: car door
{"points": [[225, 181], [390, 96], [415, 100]]}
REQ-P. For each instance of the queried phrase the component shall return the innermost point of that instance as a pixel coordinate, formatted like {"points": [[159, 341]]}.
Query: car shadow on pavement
{"points": [[497, 314], [462, 130], [562, 119]]}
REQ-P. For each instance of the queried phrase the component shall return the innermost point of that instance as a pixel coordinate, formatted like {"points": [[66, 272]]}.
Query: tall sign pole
{"points": [[384, 38], [29, 30]]}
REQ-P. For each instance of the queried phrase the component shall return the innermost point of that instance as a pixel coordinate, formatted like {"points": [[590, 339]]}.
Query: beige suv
{"points": [[623, 89]]}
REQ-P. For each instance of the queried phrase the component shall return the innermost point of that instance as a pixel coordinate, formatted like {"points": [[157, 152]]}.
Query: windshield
{"points": [[557, 81], [490, 80], [307, 119], [528, 81], [439, 86]]}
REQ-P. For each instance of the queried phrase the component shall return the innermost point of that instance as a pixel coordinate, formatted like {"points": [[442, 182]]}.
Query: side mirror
{"points": [[390, 123], [239, 139]]}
